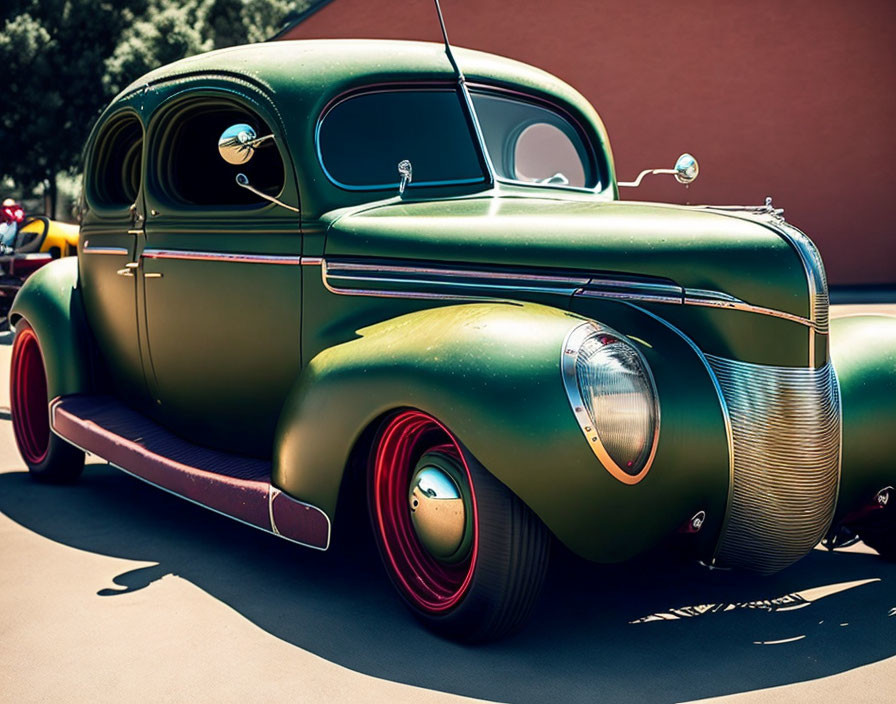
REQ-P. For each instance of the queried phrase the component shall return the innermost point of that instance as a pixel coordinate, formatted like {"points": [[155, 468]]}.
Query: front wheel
{"points": [[49, 457], [466, 555]]}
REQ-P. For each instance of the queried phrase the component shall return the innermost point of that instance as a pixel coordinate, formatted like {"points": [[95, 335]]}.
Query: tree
{"points": [[53, 55], [65, 59]]}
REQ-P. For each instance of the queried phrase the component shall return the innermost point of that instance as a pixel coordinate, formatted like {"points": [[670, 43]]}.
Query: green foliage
{"points": [[63, 60]]}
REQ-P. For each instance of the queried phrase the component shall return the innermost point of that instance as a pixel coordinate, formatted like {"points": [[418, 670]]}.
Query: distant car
{"points": [[309, 270], [38, 241]]}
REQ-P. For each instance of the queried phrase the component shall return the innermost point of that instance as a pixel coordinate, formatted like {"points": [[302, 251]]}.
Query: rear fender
{"points": [[50, 302], [491, 374]]}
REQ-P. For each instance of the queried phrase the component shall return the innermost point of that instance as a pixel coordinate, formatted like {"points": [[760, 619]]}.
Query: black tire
{"points": [[47, 456], [491, 592]]}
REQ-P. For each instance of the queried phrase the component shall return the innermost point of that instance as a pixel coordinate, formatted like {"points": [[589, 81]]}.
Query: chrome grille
{"points": [[785, 425]]}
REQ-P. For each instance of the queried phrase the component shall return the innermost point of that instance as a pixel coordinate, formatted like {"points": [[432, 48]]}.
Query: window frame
{"points": [[94, 203], [159, 126]]}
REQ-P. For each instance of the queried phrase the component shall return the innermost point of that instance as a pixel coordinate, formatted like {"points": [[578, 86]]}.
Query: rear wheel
{"points": [[48, 457], [466, 555]]}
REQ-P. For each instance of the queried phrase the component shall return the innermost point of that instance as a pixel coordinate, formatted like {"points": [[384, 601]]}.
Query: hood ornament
{"points": [[772, 211]]}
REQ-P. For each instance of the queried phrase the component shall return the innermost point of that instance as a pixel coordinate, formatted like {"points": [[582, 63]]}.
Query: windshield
{"points": [[362, 139]]}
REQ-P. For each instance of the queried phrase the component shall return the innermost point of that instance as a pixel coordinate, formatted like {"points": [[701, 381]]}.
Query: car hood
{"points": [[738, 254]]}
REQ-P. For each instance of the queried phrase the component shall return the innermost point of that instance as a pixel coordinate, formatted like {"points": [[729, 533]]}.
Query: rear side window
{"points": [[113, 178], [532, 143], [362, 139], [188, 169]]}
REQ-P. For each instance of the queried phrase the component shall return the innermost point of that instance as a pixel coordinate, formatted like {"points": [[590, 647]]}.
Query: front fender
{"points": [[863, 350], [50, 302], [491, 373]]}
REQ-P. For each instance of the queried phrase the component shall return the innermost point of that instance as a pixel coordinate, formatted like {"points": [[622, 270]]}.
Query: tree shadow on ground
{"points": [[721, 632]]}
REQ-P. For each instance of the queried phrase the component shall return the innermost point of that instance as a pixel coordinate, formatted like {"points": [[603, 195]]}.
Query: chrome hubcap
{"points": [[438, 510]]}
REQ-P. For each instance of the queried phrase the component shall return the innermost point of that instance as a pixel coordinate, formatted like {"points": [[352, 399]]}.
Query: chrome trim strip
{"points": [[396, 294], [272, 494], [311, 261], [569, 356], [582, 285], [643, 297], [193, 255], [450, 271], [731, 303], [118, 251], [55, 402], [726, 415]]}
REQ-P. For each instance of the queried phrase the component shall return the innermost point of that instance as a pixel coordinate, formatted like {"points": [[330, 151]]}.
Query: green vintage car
{"points": [[314, 270]]}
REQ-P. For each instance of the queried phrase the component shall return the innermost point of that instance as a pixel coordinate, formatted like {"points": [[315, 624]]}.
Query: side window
{"points": [[113, 177], [187, 167], [534, 144]]}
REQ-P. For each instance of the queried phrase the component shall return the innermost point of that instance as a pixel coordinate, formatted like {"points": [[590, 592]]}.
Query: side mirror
{"points": [[237, 144], [686, 168], [685, 171]]}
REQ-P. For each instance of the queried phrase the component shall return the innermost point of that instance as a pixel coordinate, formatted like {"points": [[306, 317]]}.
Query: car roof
{"points": [[321, 67]]}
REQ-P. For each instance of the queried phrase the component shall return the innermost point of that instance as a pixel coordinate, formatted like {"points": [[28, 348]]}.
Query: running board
{"points": [[234, 486]]}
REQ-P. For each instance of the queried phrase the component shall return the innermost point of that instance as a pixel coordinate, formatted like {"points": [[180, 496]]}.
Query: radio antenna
{"points": [[467, 100], [460, 74]]}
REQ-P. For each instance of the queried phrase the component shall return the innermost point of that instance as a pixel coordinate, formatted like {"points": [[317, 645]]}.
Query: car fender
{"points": [[491, 372], [50, 302], [863, 351]]}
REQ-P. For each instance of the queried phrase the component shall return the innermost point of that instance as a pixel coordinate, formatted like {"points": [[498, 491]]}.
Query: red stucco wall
{"points": [[792, 99]]}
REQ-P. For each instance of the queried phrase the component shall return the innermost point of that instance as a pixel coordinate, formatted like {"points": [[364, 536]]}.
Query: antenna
{"points": [[467, 101], [460, 75]]}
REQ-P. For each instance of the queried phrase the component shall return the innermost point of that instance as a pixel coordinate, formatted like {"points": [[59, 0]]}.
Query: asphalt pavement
{"points": [[111, 590]]}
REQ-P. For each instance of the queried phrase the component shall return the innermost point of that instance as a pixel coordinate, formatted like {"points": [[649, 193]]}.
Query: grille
{"points": [[786, 430]]}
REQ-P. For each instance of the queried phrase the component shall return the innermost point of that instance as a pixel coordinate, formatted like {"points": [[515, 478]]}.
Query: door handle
{"points": [[152, 275], [128, 269]]}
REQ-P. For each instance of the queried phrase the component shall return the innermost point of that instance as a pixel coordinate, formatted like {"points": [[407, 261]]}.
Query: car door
{"points": [[220, 274], [111, 224]]}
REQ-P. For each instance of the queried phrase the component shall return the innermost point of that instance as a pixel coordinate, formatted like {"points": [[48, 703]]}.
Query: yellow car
{"points": [[40, 234], [38, 241]]}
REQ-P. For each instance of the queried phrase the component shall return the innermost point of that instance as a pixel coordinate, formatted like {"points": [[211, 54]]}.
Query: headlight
{"points": [[613, 397]]}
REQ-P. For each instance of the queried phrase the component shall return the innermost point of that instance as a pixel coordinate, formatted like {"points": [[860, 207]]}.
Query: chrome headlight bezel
{"points": [[572, 346]]}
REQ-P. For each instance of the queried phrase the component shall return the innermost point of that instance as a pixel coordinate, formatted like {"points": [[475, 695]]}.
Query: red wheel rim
{"points": [[28, 398], [432, 586]]}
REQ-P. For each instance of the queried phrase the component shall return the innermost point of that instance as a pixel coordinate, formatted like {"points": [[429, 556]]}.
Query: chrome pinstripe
{"points": [[193, 255], [117, 251], [354, 278], [385, 280]]}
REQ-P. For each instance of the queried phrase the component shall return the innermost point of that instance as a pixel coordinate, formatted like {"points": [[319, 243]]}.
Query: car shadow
{"points": [[617, 634]]}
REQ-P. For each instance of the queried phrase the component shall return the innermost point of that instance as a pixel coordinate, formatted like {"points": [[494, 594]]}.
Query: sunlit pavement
{"points": [[112, 590]]}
